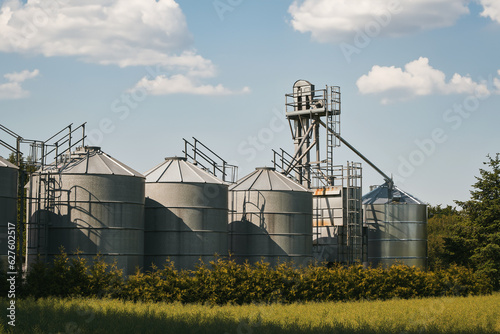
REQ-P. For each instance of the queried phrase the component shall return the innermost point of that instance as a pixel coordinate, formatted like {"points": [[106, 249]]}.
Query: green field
{"points": [[480, 314]]}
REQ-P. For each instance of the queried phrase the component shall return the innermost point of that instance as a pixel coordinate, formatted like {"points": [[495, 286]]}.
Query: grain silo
{"points": [[90, 203], [397, 227], [8, 204], [186, 215], [271, 219]]}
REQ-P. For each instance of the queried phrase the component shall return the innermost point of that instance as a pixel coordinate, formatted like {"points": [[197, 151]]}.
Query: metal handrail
{"points": [[9, 131], [221, 166], [316, 95]]}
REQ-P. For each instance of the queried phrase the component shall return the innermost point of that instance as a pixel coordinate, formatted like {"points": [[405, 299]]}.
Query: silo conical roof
{"points": [[7, 163], [266, 178], [179, 170], [91, 160], [383, 194]]}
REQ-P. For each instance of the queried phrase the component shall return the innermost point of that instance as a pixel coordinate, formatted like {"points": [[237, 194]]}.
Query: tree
{"points": [[441, 225], [476, 242]]}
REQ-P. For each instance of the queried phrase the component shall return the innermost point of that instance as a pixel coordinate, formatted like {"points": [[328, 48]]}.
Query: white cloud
{"points": [[181, 84], [122, 32], [417, 78], [340, 20], [21, 76], [108, 32], [496, 83], [12, 88], [491, 9]]}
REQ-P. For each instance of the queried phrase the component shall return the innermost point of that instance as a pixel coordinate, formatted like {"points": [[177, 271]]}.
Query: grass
{"points": [[480, 314]]}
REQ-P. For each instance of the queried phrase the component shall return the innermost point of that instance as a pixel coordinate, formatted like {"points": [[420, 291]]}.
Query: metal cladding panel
{"points": [[328, 202], [102, 188], [8, 202], [285, 202], [397, 233], [330, 210], [384, 194], [101, 213], [93, 161], [6, 163], [374, 213], [185, 242], [397, 249], [327, 243], [109, 242], [266, 179], [185, 222], [187, 195], [275, 224], [174, 219], [262, 182], [178, 170], [8, 179], [199, 243], [329, 206], [406, 213], [249, 242], [154, 174], [271, 225], [169, 174]]}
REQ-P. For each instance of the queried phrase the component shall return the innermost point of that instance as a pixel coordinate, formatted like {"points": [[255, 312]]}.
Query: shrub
{"points": [[223, 281]]}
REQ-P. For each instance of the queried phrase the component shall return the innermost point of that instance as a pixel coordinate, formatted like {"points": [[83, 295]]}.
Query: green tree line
{"points": [[469, 235]]}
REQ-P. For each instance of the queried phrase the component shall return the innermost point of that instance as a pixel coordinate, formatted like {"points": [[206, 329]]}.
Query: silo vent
{"points": [[176, 158], [265, 168], [92, 148]]}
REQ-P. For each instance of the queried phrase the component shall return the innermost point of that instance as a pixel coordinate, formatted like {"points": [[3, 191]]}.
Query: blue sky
{"points": [[419, 79]]}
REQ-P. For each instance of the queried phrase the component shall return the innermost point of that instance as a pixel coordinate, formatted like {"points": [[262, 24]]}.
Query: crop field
{"points": [[478, 314]]}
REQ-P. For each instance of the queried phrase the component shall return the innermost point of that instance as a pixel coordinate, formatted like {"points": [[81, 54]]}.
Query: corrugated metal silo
{"points": [[91, 203], [8, 203], [271, 218], [186, 215], [397, 227]]}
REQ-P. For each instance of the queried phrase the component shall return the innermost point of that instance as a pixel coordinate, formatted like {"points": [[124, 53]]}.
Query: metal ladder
{"points": [[46, 205], [333, 125], [354, 221]]}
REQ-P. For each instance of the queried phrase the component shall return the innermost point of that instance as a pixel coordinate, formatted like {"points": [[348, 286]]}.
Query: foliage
{"points": [[441, 225], [470, 237], [476, 242], [67, 277], [223, 281], [439, 211]]}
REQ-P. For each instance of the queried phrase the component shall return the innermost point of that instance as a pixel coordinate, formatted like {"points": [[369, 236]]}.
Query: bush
{"points": [[223, 281], [72, 278]]}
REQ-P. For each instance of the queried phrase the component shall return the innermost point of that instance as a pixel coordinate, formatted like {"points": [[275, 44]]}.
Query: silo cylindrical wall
{"points": [[186, 223], [92, 214], [8, 208], [271, 225], [397, 233]]}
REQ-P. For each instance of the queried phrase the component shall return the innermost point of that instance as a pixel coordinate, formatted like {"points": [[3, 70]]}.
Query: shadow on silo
{"points": [[83, 238], [253, 243], [168, 236]]}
